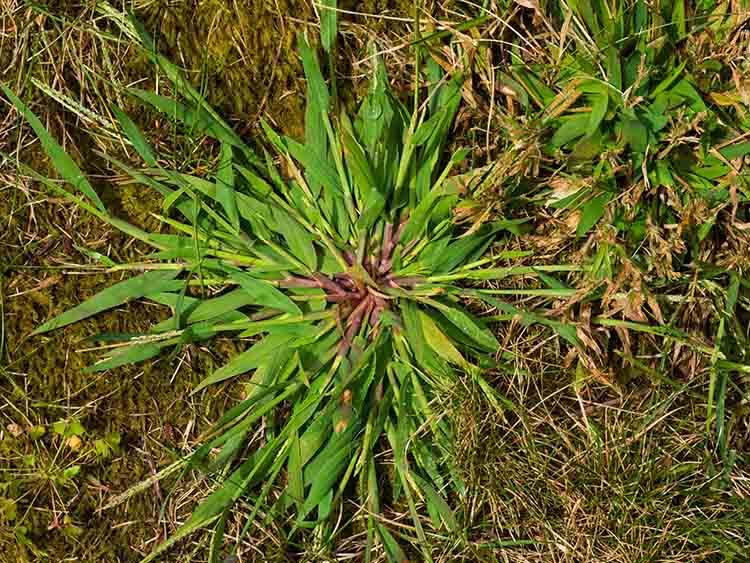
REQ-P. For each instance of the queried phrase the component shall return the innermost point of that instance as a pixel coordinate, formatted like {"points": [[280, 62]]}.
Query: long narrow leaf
{"points": [[225, 186], [61, 160], [133, 288]]}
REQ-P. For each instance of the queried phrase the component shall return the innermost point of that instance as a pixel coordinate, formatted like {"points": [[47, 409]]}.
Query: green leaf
{"points": [[635, 134], [678, 17], [686, 90], [136, 138], [325, 479], [198, 119], [225, 186], [423, 352], [665, 84], [471, 327], [218, 539], [460, 250], [586, 11], [591, 213], [320, 171], [296, 485], [360, 168], [59, 427], [737, 150], [614, 67], [420, 216], [315, 435], [131, 355], [437, 507], [264, 293], [392, 550], [536, 88], [71, 472], [571, 128], [184, 305], [732, 295], [63, 163], [500, 402], [428, 128], [567, 331], [233, 443], [316, 135], [600, 97], [439, 342], [257, 184], [315, 80], [299, 239], [133, 288], [327, 24], [205, 309], [248, 360], [215, 125], [218, 501]]}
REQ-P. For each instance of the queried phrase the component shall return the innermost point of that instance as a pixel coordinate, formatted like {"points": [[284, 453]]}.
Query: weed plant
{"points": [[343, 274]]}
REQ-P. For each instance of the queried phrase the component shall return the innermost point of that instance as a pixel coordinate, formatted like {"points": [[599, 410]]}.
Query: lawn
{"points": [[456, 281]]}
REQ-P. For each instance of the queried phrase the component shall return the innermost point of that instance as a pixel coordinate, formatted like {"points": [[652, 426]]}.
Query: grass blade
{"points": [[592, 211], [225, 186], [250, 359], [469, 326], [63, 163], [136, 138], [263, 292], [439, 342], [328, 24], [133, 288], [300, 241]]}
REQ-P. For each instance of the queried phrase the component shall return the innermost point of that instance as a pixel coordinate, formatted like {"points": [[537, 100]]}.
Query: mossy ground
{"points": [[43, 378], [590, 476]]}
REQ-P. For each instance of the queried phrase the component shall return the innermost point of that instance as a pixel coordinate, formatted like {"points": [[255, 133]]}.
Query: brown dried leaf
{"points": [[655, 309], [530, 4], [624, 335]]}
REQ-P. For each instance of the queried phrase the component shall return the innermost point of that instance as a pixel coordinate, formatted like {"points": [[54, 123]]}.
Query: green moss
{"points": [[241, 52], [44, 376]]}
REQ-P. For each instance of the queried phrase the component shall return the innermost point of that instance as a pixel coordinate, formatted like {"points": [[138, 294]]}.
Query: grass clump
{"points": [[627, 138], [343, 274], [621, 130]]}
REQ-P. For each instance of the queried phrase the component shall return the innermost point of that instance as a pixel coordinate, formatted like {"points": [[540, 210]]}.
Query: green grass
{"points": [[620, 428], [345, 272]]}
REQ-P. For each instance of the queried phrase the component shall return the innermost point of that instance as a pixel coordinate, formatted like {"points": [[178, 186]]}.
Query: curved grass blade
{"points": [[133, 288], [202, 310], [63, 163], [250, 359], [225, 186], [263, 292], [217, 127], [469, 326], [439, 342], [136, 138], [325, 476], [193, 118], [216, 503], [131, 355], [299, 239]]}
